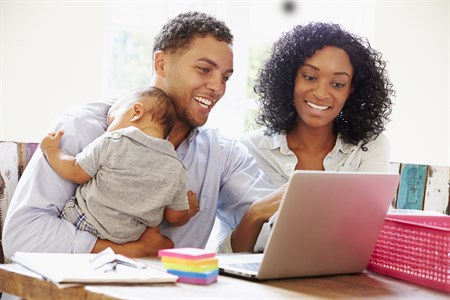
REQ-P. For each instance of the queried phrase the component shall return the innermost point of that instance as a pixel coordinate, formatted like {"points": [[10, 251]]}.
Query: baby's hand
{"points": [[51, 140], [193, 203]]}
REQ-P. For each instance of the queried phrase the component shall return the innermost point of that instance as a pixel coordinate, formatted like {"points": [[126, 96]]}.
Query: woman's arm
{"points": [[377, 157]]}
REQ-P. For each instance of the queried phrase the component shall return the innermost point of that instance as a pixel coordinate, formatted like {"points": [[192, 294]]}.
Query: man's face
{"points": [[196, 78]]}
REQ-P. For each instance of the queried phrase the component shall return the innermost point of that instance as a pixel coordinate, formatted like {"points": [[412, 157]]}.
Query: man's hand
{"points": [[266, 207], [147, 245], [244, 236]]}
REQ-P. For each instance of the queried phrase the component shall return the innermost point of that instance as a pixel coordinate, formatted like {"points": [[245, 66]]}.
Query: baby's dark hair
{"points": [[366, 110], [161, 109], [180, 31]]}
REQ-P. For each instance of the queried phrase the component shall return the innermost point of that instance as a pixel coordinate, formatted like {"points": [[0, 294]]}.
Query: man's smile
{"points": [[205, 103]]}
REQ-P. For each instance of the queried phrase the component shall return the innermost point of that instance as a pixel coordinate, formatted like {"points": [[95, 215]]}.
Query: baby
{"points": [[130, 177]]}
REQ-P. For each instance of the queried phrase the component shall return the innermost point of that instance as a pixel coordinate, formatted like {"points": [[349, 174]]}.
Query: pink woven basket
{"points": [[414, 248]]}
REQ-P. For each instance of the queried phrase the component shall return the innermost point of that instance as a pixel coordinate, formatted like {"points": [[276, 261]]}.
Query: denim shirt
{"points": [[221, 172]]}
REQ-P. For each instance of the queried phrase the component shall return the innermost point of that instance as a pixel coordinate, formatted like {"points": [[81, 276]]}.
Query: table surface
{"points": [[364, 285]]}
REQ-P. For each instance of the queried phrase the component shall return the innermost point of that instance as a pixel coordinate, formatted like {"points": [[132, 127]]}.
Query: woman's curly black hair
{"points": [[179, 32], [366, 110]]}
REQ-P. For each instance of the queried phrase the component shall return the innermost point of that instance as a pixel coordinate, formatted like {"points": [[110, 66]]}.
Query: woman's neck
{"points": [[310, 146], [307, 138]]}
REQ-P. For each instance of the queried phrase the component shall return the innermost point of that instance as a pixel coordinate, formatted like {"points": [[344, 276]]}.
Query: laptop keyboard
{"points": [[247, 266]]}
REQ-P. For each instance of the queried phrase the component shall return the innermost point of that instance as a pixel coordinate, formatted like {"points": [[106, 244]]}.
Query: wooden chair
{"points": [[14, 157], [423, 187]]}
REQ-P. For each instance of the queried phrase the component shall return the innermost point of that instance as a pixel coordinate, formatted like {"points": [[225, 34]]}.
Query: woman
{"points": [[324, 99]]}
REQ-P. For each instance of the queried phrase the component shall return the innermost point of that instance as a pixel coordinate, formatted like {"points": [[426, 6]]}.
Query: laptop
{"points": [[328, 224]]}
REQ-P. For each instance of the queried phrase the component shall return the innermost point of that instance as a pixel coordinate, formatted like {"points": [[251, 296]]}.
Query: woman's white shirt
{"points": [[278, 162]]}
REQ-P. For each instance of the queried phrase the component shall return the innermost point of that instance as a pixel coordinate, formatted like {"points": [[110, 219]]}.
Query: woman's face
{"points": [[322, 85]]}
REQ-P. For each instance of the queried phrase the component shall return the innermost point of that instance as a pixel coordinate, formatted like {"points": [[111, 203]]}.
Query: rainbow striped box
{"points": [[191, 265]]}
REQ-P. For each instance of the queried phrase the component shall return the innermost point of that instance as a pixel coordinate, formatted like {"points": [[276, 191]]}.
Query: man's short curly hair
{"points": [[179, 32], [366, 110]]}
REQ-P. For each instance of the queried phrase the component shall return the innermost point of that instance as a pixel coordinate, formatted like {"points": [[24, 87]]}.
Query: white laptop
{"points": [[328, 223]]}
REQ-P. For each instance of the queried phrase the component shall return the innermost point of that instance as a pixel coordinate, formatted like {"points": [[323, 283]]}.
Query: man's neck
{"points": [[178, 133], [180, 130]]}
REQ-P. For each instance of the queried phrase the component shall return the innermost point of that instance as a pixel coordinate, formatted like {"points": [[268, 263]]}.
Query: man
{"points": [[192, 61]]}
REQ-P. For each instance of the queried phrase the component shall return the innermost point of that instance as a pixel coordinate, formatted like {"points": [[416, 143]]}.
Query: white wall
{"points": [[414, 39], [52, 58]]}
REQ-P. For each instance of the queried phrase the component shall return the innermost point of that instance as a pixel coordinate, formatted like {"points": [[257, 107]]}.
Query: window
{"points": [[255, 26]]}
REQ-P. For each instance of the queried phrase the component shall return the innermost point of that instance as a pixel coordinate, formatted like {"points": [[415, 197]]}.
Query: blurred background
{"points": [[59, 54]]}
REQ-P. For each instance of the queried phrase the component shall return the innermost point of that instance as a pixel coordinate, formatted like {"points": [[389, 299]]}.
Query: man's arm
{"points": [[33, 220], [246, 200], [148, 244], [63, 164]]}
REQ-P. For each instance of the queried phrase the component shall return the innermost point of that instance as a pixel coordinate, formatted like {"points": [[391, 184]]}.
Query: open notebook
{"points": [[328, 223], [85, 268]]}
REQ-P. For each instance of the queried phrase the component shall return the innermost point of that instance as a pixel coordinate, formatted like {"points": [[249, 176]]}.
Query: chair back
{"points": [[14, 157]]}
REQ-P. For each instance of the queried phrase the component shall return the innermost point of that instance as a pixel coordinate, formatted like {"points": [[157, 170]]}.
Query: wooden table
{"points": [[363, 286]]}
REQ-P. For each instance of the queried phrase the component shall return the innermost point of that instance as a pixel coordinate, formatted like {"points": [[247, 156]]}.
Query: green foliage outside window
{"points": [[258, 54], [131, 61]]}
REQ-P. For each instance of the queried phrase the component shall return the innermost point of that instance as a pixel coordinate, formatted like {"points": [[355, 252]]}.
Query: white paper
{"points": [[77, 268]]}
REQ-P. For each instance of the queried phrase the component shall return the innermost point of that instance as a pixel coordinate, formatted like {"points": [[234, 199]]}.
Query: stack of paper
{"points": [[191, 265]]}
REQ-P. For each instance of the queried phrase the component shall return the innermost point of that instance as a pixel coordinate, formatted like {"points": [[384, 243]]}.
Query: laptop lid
{"points": [[328, 223]]}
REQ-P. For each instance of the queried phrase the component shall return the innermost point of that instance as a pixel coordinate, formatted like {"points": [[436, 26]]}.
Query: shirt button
{"points": [[115, 135]]}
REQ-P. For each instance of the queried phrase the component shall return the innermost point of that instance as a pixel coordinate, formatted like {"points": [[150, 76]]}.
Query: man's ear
{"points": [[160, 61], [138, 111]]}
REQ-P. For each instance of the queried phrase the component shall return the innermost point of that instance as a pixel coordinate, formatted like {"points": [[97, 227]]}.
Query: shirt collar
{"points": [[343, 146], [194, 133], [279, 140], [275, 141]]}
